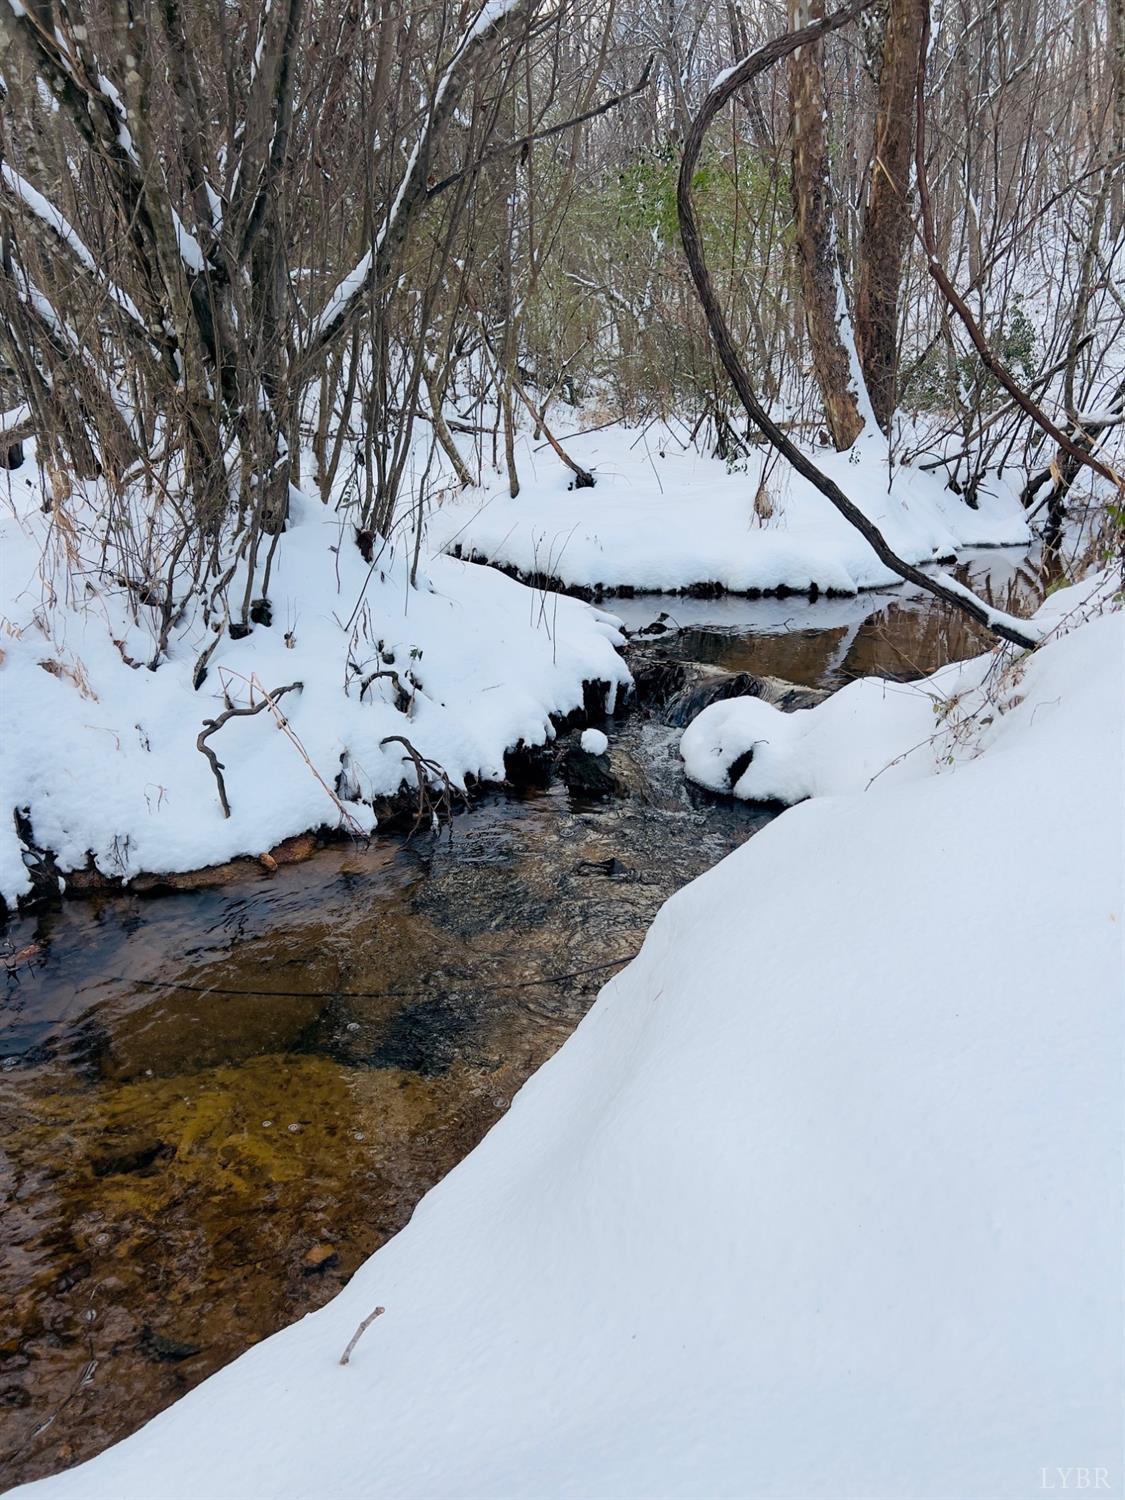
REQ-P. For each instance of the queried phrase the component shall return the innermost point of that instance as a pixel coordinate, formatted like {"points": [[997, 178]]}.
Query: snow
{"points": [[103, 755], [190, 252], [662, 518], [857, 385], [840, 746], [823, 1198], [594, 742], [492, 12], [1106, 417], [11, 420]]}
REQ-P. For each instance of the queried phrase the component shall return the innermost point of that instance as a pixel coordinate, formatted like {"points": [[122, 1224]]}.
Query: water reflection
{"points": [[900, 633]]}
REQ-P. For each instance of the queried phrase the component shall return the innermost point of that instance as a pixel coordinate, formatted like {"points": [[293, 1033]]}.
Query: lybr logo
{"points": [[1074, 1479]]}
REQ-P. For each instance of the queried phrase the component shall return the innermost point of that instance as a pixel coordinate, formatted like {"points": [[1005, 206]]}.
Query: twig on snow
{"points": [[436, 807], [358, 1334], [269, 700]]}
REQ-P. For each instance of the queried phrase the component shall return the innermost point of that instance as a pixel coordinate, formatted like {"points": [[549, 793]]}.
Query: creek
{"points": [[217, 1103]]}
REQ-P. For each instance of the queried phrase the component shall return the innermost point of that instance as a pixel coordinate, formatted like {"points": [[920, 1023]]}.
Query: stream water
{"points": [[215, 1104]]}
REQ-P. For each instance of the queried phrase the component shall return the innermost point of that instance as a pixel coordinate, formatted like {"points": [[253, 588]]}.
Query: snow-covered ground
{"points": [[102, 754], [822, 1199], [754, 751], [662, 518]]}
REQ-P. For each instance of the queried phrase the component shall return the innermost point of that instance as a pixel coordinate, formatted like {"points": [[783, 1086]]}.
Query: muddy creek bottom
{"points": [[214, 1105]]}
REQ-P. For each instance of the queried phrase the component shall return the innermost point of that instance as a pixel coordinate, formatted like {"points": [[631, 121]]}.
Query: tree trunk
{"points": [[816, 235], [887, 221], [1117, 134]]}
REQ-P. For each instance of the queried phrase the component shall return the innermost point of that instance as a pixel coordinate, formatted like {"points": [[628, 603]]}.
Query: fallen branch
{"points": [[430, 808], [360, 1331], [583, 479], [211, 725], [726, 86]]}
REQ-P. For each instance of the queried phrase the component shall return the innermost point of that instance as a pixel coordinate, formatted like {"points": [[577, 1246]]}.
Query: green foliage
{"points": [[1017, 342], [616, 308], [733, 191], [940, 383], [647, 195]]}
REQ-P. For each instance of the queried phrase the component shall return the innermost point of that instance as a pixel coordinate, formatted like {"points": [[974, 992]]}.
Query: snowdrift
{"points": [[822, 1198], [753, 751], [663, 519], [100, 752]]}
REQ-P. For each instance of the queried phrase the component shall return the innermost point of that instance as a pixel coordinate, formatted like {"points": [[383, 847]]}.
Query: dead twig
{"points": [[431, 809], [210, 726], [360, 1331]]}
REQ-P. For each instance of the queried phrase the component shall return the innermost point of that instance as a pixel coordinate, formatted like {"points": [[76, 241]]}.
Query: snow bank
{"points": [[102, 754], [758, 753], [660, 518], [823, 1197], [754, 751]]}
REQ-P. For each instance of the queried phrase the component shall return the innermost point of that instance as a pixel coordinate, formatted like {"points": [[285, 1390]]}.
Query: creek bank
{"points": [[703, 588], [677, 688], [685, 524], [402, 811], [386, 672]]}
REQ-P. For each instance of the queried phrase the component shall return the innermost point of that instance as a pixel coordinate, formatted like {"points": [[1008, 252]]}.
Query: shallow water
{"points": [[216, 1104], [900, 633]]}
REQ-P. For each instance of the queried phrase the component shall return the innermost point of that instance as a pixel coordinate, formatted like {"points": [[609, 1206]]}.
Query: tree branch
{"points": [[960, 307], [725, 87], [508, 147], [211, 725]]}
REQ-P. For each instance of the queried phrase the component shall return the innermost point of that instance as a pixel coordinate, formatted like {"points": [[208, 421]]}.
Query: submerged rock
{"points": [[587, 775], [656, 678], [319, 1259], [165, 1350], [715, 687]]}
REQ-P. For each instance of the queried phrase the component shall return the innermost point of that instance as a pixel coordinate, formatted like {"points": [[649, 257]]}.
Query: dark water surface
{"points": [[215, 1104]]}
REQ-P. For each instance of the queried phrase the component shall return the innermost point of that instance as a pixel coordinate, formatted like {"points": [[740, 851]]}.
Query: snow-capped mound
{"points": [[100, 752]]}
